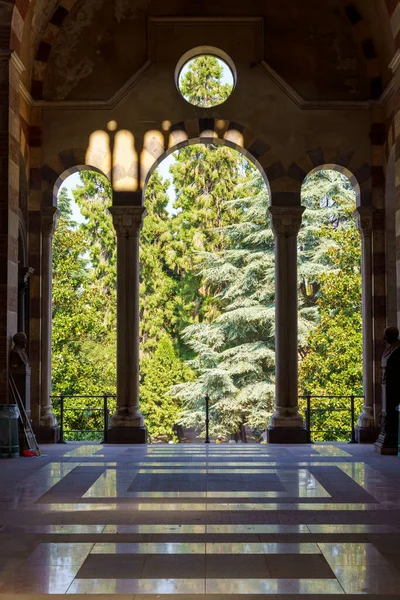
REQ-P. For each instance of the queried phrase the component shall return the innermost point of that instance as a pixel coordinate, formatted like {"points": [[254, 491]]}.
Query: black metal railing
{"points": [[89, 421], [86, 422], [314, 417]]}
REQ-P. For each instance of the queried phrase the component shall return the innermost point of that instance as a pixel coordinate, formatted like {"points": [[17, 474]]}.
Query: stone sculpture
{"points": [[387, 442], [18, 356]]}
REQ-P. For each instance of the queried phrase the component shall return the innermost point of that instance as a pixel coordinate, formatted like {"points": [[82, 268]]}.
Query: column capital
{"points": [[286, 220], [50, 216], [364, 219], [127, 220]]}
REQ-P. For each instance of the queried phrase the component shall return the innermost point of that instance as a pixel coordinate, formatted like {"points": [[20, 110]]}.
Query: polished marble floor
{"points": [[188, 521]]}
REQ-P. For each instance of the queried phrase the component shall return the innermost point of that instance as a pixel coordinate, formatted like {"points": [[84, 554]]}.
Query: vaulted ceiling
{"points": [[325, 50]]}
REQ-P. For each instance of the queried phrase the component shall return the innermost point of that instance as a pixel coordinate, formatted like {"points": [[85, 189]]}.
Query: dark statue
{"points": [[18, 356], [387, 442]]}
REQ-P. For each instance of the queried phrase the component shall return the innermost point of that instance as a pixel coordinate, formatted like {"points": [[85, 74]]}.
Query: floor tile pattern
{"points": [[193, 521]]}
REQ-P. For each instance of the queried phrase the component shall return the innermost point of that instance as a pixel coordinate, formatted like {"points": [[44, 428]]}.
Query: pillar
{"points": [[127, 424], [10, 72], [366, 430], [286, 425], [395, 67], [48, 429]]}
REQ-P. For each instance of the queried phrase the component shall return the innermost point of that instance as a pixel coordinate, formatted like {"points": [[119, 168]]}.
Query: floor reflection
{"points": [[187, 520]]}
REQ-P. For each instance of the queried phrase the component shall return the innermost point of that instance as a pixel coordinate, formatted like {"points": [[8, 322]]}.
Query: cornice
{"points": [[89, 104], [290, 92], [324, 104]]}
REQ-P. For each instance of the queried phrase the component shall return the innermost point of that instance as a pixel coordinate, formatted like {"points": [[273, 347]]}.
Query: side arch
{"points": [[64, 164], [314, 159]]}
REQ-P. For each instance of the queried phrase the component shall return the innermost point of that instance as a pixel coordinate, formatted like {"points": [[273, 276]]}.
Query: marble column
{"points": [[48, 429], [366, 430], [286, 425], [127, 424]]}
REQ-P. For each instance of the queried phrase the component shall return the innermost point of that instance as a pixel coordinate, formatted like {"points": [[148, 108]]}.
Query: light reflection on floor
{"points": [[191, 521]]}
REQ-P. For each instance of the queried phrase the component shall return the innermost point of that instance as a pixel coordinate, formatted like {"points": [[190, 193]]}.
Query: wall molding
{"points": [[290, 92]]}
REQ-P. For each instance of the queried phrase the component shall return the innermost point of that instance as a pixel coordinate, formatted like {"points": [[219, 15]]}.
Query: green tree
{"points": [[158, 284], [160, 373], [94, 197], [205, 179], [330, 289], [77, 368], [202, 85], [85, 308], [235, 350], [70, 309]]}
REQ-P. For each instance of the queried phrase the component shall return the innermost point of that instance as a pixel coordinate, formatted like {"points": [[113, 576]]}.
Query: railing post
{"points": [[353, 430], [61, 438], [207, 399], [308, 417], [105, 418]]}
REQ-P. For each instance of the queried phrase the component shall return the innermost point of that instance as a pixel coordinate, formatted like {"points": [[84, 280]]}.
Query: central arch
{"points": [[157, 145]]}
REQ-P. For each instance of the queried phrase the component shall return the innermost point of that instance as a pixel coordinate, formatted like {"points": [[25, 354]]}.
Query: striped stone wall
{"points": [[159, 144], [393, 7], [10, 70]]}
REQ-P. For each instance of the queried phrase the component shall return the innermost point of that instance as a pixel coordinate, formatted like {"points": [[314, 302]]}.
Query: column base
{"points": [[287, 435], [366, 435], [46, 435], [387, 444], [127, 435]]}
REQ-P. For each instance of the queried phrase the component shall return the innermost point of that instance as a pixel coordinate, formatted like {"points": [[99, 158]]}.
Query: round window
{"points": [[206, 79]]}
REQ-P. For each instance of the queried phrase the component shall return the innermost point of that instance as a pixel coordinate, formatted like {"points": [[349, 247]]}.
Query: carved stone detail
{"points": [[50, 216], [127, 220], [364, 220], [286, 220]]}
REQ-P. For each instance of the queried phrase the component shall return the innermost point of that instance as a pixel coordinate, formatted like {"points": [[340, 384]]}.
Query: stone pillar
{"points": [[286, 425], [366, 430], [48, 429], [10, 73], [127, 424]]}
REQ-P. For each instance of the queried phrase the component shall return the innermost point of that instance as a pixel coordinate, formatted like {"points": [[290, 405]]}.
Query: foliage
{"points": [[160, 373], [235, 350], [331, 269], [207, 295], [158, 286], [202, 85], [205, 179], [81, 365]]}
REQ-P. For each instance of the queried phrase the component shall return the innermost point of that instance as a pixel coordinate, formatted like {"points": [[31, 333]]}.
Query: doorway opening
{"points": [[330, 304]]}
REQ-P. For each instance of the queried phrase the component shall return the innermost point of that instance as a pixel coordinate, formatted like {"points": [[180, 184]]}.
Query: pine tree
{"points": [[330, 201], [205, 179], [158, 285], [64, 206], [161, 371], [202, 85], [235, 351]]}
